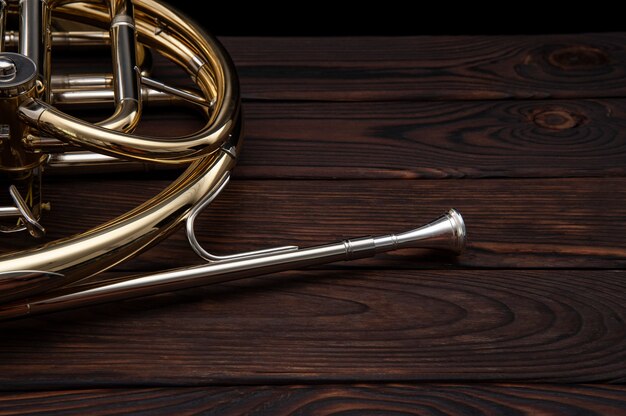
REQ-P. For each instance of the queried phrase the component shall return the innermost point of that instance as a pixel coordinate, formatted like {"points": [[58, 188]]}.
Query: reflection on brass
{"points": [[36, 135]]}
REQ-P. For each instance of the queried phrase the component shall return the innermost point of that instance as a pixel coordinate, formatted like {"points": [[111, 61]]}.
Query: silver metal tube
{"points": [[177, 92], [445, 233], [46, 54], [97, 89], [125, 70], [88, 162], [30, 40], [3, 23], [81, 38], [81, 159], [73, 38], [82, 81], [9, 212], [99, 98]]}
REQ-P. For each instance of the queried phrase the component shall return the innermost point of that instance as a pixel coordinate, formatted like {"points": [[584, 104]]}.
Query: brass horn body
{"points": [[36, 137]]}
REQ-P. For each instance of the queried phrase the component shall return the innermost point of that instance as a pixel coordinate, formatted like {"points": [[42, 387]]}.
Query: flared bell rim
{"points": [[459, 232]]}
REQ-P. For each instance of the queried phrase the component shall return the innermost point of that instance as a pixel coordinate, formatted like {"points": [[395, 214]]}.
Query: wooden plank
{"points": [[430, 67], [351, 322], [434, 140], [406, 399], [329, 326], [529, 223], [523, 138]]}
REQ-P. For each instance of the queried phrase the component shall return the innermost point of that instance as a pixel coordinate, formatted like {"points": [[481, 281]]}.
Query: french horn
{"points": [[37, 137]]}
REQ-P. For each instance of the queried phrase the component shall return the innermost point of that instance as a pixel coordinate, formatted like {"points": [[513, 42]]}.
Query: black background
{"points": [[393, 19]]}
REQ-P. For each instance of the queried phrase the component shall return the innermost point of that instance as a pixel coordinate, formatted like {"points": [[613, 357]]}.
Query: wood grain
{"points": [[332, 326], [522, 138], [430, 68], [434, 140], [526, 223], [422, 68], [406, 399], [371, 135]]}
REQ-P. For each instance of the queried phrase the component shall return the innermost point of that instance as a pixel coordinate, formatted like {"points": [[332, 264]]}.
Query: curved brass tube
{"points": [[444, 233], [103, 247], [213, 151], [164, 151], [126, 86], [55, 276], [184, 43]]}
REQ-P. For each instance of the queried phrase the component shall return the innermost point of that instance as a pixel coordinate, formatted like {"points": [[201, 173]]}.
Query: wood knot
{"points": [[557, 119], [581, 57]]}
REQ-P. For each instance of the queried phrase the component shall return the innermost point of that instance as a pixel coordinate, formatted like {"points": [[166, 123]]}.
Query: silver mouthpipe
{"points": [[445, 233]]}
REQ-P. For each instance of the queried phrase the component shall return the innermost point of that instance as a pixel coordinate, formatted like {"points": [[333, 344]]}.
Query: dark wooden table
{"points": [[526, 136]]}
